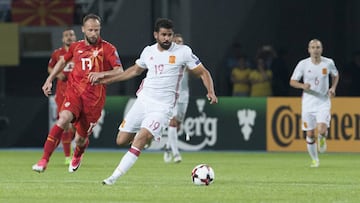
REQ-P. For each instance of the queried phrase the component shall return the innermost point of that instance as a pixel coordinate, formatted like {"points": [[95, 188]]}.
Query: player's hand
{"points": [[95, 77], [331, 92], [47, 88], [306, 86], [212, 98]]}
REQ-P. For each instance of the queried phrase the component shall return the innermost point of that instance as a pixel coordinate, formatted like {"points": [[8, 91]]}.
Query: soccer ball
{"points": [[202, 174]]}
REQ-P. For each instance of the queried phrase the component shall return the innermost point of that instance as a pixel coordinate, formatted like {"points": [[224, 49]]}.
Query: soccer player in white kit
{"points": [[165, 62], [171, 147], [316, 103]]}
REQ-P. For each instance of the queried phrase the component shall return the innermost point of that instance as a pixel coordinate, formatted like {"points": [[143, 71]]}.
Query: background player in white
{"points": [[316, 103], [157, 94], [171, 147]]}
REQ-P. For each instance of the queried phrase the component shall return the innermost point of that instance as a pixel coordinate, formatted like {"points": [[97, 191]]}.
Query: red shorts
{"points": [[86, 116]]}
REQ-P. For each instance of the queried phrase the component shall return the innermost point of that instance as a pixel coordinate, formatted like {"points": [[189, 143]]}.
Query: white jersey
{"points": [[165, 72], [317, 75]]}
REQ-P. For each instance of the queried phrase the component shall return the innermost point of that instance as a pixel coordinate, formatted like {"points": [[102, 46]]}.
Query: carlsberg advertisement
{"points": [[232, 124]]}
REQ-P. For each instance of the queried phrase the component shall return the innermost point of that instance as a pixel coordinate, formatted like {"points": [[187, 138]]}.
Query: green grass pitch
{"points": [[239, 177]]}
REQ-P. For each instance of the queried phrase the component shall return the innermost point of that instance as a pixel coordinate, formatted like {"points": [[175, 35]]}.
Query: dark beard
{"points": [[68, 43], [89, 41], [165, 46]]}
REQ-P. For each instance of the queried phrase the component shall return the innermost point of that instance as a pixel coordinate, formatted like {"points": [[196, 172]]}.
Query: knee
{"points": [[123, 140], [322, 129], [80, 141], [310, 133], [173, 123], [141, 140], [65, 118], [120, 141]]}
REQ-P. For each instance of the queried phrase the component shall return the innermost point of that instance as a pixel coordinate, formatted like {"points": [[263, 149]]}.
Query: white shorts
{"points": [[180, 111], [311, 119], [149, 115]]}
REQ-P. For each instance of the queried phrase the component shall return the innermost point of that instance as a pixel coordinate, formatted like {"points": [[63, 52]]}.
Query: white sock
{"points": [[173, 138], [127, 161], [311, 147], [167, 145]]}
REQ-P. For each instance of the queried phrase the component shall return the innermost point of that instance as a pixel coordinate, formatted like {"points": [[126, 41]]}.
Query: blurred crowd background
{"points": [[250, 46]]}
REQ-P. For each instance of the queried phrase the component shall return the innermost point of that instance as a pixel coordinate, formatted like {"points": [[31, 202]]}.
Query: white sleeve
{"points": [[191, 60], [141, 61], [333, 69], [298, 72]]}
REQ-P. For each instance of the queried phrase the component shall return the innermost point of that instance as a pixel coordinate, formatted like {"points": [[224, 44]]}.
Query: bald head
{"points": [[315, 41], [315, 48]]}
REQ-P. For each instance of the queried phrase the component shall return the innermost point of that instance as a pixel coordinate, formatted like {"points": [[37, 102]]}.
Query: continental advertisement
{"points": [[284, 131]]}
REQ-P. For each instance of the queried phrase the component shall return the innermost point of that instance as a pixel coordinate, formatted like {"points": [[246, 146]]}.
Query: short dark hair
{"points": [[68, 28], [163, 23], [178, 35], [91, 16]]}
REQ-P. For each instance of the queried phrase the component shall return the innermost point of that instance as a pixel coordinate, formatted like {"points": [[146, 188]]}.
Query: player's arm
{"points": [[131, 72], [59, 66], [334, 83], [296, 76], [53, 60], [50, 69], [299, 85], [115, 71], [60, 76], [111, 77], [95, 77], [204, 74]]}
